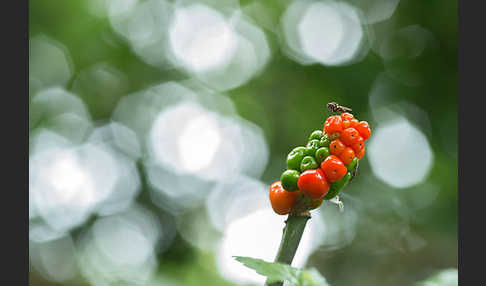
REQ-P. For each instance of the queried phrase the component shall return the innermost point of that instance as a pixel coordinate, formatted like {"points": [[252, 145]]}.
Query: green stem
{"points": [[292, 233]]}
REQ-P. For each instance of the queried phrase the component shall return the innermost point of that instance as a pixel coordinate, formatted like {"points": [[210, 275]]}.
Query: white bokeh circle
{"points": [[399, 153]]}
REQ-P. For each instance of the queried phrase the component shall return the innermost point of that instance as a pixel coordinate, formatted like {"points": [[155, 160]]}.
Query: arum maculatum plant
{"points": [[315, 172]]}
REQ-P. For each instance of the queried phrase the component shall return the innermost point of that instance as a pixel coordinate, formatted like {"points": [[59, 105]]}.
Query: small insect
{"points": [[336, 108]]}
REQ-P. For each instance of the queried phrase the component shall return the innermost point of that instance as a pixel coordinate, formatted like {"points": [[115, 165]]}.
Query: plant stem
{"points": [[292, 233]]}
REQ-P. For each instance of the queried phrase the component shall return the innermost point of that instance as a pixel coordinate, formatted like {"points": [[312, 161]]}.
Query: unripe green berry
{"points": [[308, 163], [294, 158], [316, 134], [324, 142], [321, 154], [289, 180], [311, 147]]}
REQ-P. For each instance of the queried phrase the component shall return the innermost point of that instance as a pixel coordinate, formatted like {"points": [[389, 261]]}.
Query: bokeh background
{"points": [[156, 127]]}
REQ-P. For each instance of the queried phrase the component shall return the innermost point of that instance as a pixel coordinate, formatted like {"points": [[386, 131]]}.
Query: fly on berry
{"points": [[333, 107]]}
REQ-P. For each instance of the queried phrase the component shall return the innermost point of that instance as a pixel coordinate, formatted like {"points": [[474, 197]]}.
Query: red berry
{"points": [[336, 147], [349, 136], [333, 124], [281, 200], [313, 183], [347, 116], [347, 155], [358, 145], [333, 168], [346, 124], [354, 122], [364, 129]]}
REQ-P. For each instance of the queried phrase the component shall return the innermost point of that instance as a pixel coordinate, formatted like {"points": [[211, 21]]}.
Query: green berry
{"points": [[289, 180], [322, 153], [311, 147], [308, 163], [324, 142], [316, 134], [294, 158]]}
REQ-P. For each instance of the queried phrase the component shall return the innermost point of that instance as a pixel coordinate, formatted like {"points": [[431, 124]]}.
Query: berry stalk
{"points": [[292, 233]]}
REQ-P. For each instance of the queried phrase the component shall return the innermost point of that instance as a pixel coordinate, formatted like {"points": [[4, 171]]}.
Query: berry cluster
{"points": [[324, 166]]}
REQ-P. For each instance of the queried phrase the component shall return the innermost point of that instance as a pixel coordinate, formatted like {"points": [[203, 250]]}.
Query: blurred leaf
{"points": [[273, 271], [446, 277], [279, 272]]}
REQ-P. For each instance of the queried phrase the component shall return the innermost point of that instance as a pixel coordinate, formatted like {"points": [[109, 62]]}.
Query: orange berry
{"points": [[358, 145], [361, 153], [336, 147], [347, 155], [354, 122], [347, 116], [349, 136], [281, 200], [313, 184], [346, 124], [364, 129], [333, 168], [333, 124]]}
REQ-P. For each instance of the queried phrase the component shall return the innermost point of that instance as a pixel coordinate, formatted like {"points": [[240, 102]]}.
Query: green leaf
{"points": [[447, 277], [312, 277], [273, 271]]}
